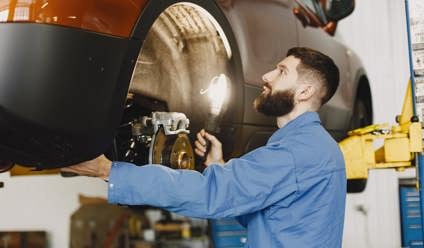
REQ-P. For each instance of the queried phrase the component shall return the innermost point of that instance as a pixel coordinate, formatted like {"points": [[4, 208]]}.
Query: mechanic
{"points": [[288, 193]]}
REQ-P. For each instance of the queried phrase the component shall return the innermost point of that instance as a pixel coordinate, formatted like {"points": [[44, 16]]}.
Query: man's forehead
{"points": [[289, 62]]}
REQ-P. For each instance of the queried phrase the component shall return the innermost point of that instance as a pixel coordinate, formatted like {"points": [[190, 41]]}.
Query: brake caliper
{"points": [[166, 135]]}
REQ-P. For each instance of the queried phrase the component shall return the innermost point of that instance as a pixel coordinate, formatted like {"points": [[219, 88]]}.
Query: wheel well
{"points": [[187, 44]]}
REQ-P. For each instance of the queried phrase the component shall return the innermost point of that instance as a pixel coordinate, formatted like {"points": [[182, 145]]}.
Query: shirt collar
{"points": [[302, 120]]}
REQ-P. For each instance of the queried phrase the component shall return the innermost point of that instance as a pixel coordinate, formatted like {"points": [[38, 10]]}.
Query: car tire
{"points": [[362, 116]]}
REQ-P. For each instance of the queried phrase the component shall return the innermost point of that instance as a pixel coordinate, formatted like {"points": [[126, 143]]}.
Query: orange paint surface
{"points": [[114, 17]]}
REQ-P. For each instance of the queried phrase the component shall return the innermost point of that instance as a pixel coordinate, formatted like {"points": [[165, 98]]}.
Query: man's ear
{"points": [[305, 92]]}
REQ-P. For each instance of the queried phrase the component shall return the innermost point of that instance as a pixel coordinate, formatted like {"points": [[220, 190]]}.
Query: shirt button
{"points": [[111, 185]]}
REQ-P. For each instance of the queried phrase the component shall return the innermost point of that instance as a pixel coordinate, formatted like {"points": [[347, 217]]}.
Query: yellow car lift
{"points": [[400, 144]]}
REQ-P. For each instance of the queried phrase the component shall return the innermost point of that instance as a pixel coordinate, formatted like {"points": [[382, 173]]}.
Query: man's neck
{"points": [[297, 111]]}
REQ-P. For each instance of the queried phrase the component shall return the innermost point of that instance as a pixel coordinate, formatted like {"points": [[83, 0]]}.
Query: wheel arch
{"points": [[152, 11]]}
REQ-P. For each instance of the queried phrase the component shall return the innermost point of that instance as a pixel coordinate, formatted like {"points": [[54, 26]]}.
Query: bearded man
{"points": [[288, 193]]}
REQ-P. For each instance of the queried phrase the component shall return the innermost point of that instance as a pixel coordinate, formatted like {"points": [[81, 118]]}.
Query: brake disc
{"points": [[174, 151]]}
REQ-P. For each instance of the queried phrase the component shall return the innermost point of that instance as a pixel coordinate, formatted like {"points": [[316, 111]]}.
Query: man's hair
{"points": [[318, 67]]}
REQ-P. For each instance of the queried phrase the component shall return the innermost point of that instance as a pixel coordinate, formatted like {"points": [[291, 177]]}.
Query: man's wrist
{"points": [[106, 167]]}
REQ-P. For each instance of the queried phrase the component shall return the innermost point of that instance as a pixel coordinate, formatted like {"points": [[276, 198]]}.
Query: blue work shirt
{"points": [[289, 193]]}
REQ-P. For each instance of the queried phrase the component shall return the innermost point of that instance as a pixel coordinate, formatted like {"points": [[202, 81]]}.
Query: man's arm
{"points": [[245, 185], [242, 186]]}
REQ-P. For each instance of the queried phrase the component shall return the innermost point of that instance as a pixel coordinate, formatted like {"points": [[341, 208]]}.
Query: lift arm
{"points": [[400, 143]]}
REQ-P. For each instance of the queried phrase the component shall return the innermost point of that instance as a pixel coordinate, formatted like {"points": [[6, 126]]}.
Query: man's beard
{"points": [[275, 104]]}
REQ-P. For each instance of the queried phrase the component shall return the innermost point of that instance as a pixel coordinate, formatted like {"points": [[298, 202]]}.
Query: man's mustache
{"points": [[267, 85]]}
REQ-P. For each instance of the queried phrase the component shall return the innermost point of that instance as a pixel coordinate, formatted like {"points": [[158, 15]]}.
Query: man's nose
{"points": [[267, 77]]}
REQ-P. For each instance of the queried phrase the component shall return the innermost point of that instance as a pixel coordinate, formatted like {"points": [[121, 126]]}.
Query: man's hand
{"points": [[215, 152], [98, 167]]}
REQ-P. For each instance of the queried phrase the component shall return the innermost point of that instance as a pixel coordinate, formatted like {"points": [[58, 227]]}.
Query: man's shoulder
{"points": [[313, 144], [309, 135]]}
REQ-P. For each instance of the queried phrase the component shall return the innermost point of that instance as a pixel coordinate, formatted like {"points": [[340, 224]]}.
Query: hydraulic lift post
{"points": [[415, 43]]}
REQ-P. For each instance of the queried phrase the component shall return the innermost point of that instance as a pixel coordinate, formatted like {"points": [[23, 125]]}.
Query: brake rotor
{"points": [[174, 151]]}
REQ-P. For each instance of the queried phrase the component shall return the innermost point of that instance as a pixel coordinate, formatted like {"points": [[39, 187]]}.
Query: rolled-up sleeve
{"points": [[241, 186]]}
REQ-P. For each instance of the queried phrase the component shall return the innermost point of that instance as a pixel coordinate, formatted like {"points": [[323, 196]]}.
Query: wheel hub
{"points": [[161, 138]]}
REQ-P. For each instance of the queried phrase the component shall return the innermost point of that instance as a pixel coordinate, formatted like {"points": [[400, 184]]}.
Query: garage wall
{"points": [[376, 31], [44, 203]]}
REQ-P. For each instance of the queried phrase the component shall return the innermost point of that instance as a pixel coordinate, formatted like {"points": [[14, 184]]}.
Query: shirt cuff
{"points": [[116, 185]]}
